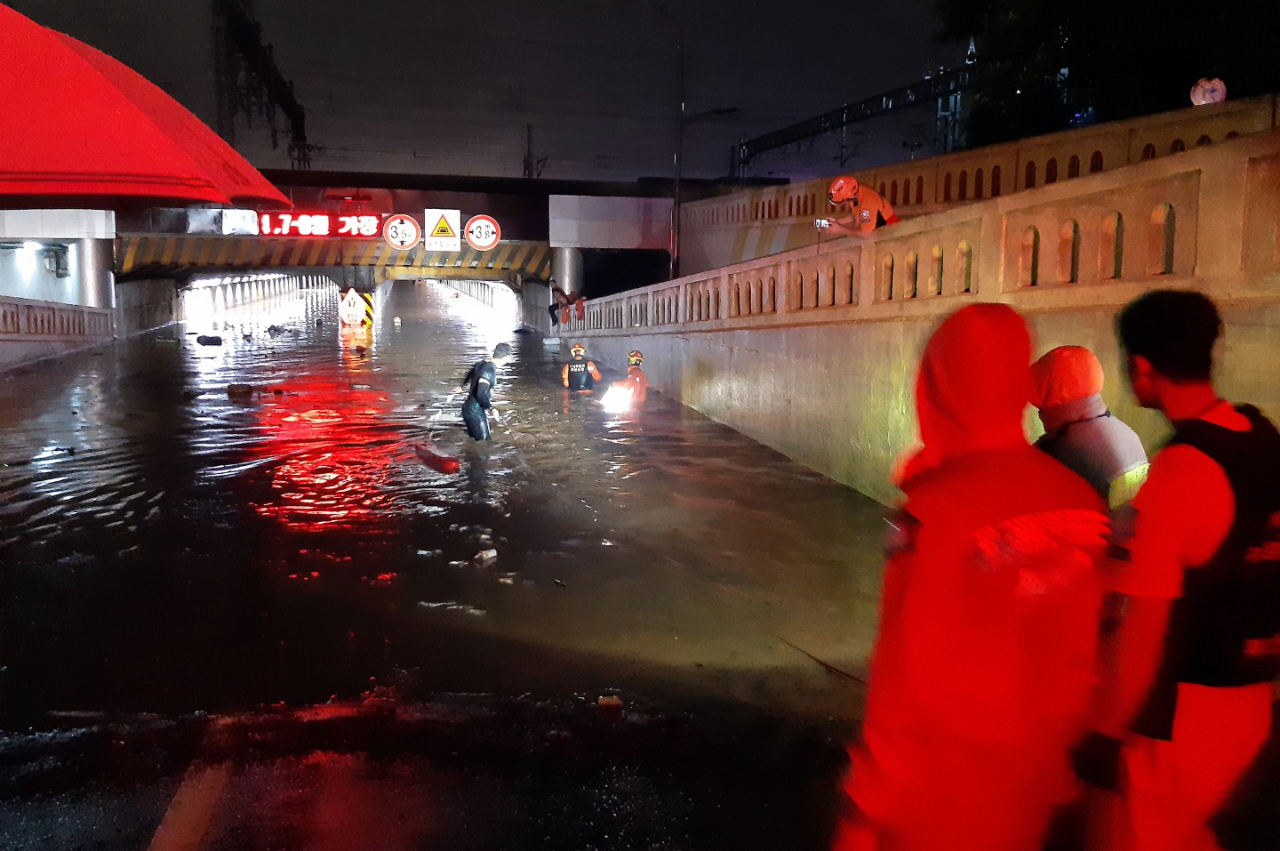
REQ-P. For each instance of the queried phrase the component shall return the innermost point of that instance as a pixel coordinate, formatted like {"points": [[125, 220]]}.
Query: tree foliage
{"points": [[1123, 57]]}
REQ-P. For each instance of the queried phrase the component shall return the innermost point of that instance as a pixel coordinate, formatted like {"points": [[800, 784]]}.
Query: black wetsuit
{"points": [[480, 379]]}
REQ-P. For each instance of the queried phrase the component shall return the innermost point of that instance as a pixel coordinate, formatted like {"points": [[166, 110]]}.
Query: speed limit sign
{"points": [[483, 232], [401, 232]]}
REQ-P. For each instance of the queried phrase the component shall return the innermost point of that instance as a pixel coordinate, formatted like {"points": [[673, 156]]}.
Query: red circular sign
{"points": [[402, 232], [482, 232]]}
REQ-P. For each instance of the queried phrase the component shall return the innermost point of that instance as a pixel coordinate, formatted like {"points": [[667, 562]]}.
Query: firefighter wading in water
{"points": [[580, 374], [636, 381]]}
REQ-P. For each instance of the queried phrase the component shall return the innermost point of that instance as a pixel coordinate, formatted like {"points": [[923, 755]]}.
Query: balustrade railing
{"points": [[27, 319], [1167, 222]]}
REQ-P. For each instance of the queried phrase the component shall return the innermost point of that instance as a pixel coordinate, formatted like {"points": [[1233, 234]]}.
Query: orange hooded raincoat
{"points": [[984, 662]]}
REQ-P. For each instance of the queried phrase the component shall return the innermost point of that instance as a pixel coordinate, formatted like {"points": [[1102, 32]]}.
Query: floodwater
{"points": [[167, 548], [258, 620]]}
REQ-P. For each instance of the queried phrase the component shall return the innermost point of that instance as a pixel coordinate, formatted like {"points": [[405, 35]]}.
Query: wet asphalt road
{"points": [[179, 565]]}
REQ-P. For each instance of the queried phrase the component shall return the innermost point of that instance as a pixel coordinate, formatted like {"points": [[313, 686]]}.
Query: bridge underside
{"points": [[146, 256]]}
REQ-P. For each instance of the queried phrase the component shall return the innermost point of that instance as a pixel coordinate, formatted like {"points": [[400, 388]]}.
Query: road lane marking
{"points": [[187, 819]]}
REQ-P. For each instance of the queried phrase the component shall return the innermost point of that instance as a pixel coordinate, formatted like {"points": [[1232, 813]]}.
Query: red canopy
{"points": [[76, 123]]}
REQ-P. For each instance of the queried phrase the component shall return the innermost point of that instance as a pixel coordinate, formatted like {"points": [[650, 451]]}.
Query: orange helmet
{"points": [[635, 357], [577, 350], [843, 188]]}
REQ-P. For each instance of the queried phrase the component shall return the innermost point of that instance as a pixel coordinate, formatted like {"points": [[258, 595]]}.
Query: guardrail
{"points": [[1208, 219], [25, 319], [738, 227]]}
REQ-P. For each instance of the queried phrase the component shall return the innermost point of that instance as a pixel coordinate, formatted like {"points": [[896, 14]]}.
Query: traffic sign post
{"points": [[401, 232], [483, 232], [355, 309]]}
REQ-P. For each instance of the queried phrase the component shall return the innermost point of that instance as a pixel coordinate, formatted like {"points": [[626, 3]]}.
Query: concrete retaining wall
{"points": [[31, 330], [814, 351], [143, 305]]}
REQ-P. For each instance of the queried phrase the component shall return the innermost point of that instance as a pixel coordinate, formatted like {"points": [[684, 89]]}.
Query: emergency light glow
{"points": [[616, 400]]}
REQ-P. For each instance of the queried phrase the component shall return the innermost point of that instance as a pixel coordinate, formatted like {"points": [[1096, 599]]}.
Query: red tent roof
{"points": [[76, 122]]}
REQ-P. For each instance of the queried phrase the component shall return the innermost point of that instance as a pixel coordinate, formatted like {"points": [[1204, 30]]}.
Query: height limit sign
{"points": [[401, 232], [483, 232]]}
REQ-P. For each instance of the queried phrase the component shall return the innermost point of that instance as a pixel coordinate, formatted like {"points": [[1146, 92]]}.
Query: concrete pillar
{"points": [[94, 260], [566, 268]]}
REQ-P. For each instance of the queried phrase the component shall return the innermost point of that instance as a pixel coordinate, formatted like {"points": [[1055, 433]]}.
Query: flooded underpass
{"points": [[645, 623]]}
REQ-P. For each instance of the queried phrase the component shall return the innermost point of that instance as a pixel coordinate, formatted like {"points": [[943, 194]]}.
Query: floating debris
{"points": [[451, 606]]}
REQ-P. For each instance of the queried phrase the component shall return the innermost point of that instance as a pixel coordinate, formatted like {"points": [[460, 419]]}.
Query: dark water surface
{"points": [[166, 548]]}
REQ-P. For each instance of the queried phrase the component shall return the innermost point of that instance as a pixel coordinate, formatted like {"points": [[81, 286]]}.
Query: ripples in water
{"points": [[199, 550]]}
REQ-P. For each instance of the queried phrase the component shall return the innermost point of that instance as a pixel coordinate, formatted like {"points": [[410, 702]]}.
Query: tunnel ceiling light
{"points": [[30, 245]]}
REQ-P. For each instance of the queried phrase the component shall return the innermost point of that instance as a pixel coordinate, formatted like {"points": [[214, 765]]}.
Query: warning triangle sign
{"points": [[442, 229]]}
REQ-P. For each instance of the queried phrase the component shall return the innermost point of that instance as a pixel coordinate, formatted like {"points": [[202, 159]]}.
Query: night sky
{"points": [[454, 85], [421, 86]]}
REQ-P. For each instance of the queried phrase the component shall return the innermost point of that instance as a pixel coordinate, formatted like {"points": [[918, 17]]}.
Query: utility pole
{"points": [[532, 167]]}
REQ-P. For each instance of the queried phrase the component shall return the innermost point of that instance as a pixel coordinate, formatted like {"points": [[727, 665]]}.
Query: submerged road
{"points": [[258, 621], [181, 563]]}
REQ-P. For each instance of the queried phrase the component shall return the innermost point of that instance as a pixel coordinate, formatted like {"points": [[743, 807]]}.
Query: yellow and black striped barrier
{"points": [[163, 255], [355, 309]]}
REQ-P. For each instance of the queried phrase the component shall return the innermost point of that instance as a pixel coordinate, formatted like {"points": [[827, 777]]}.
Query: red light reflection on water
{"points": [[337, 454]]}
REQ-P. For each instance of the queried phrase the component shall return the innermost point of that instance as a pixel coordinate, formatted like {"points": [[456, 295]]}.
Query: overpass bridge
{"points": [[810, 346]]}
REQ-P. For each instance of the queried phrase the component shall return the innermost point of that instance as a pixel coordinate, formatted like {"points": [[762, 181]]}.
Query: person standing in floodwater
{"points": [[984, 663], [580, 374], [636, 383], [479, 381]]}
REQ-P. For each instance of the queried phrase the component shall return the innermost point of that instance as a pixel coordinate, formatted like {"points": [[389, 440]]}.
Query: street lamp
{"points": [[674, 247], [682, 121]]}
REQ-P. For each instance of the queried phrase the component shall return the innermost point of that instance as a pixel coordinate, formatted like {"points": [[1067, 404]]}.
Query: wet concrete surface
{"points": [[174, 554]]}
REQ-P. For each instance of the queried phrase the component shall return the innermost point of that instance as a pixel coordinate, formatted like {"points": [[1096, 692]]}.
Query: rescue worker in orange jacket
{"points": [[563, 303], [580, 374], [867, 209], [1185, 702], [636, 381], [984, 663], [1080, 431]]}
